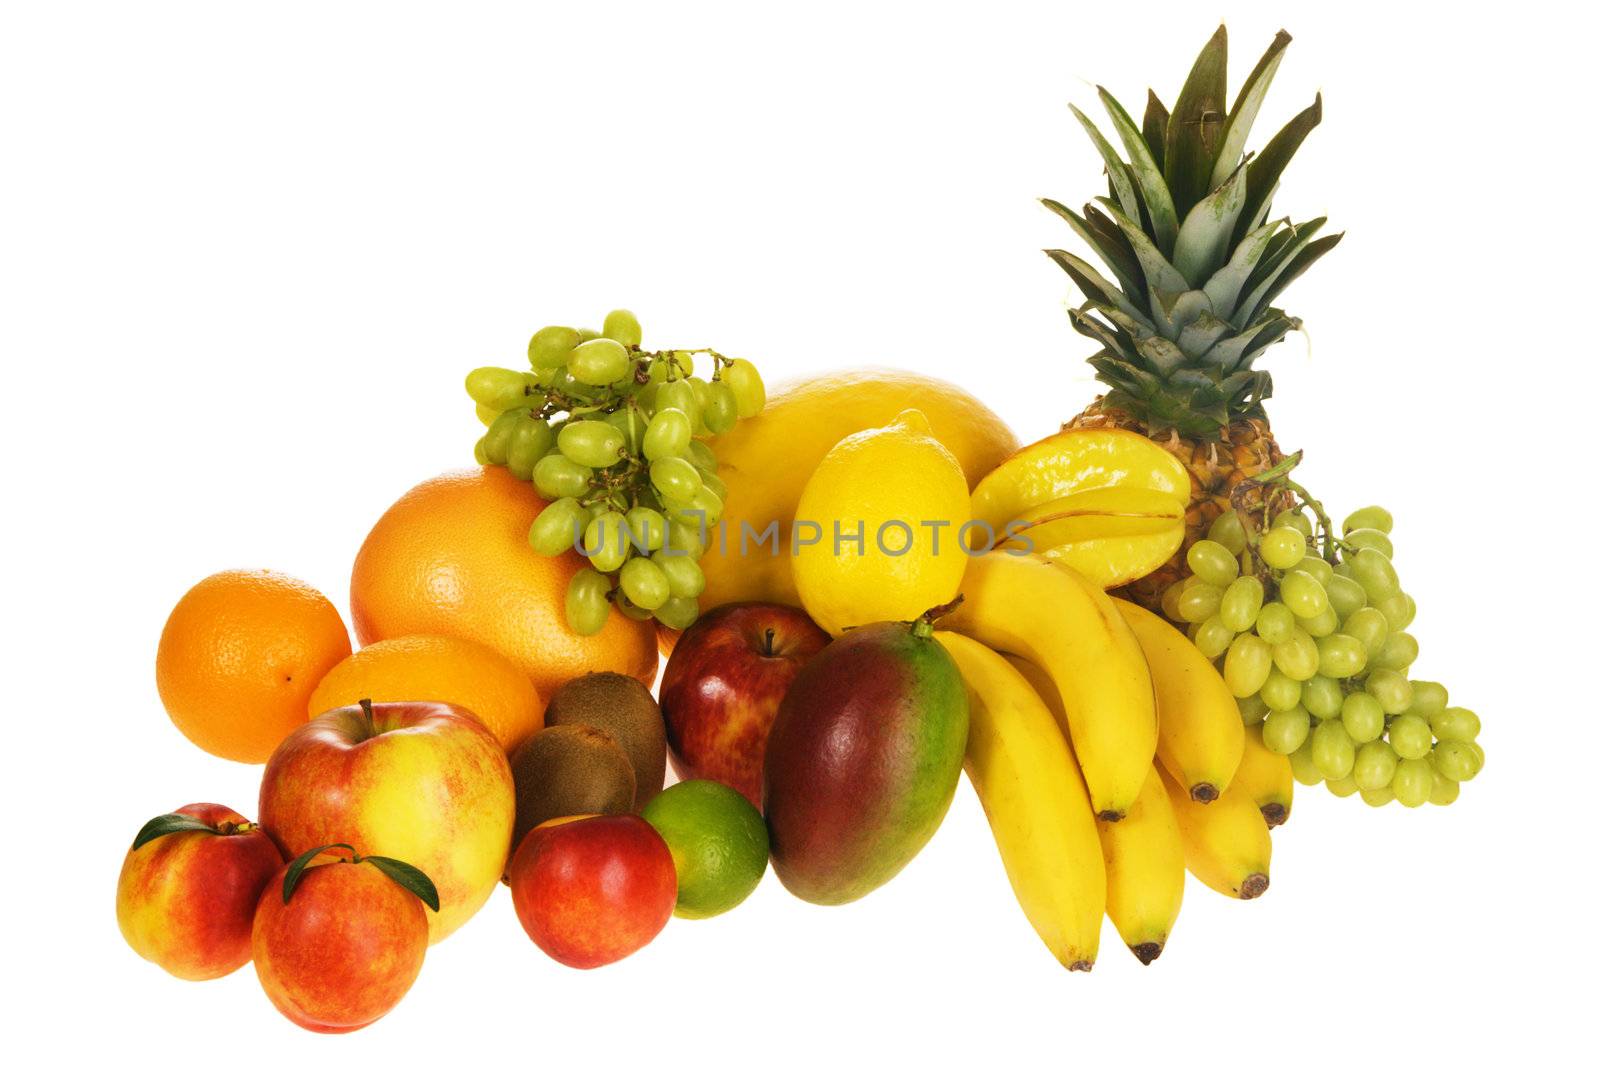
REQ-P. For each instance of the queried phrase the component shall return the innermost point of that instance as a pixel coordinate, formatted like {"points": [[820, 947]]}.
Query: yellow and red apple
{"points": [[423, 783]]}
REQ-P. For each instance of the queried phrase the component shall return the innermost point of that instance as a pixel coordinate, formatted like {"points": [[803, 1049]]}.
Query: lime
{"points": [[718, 842]]}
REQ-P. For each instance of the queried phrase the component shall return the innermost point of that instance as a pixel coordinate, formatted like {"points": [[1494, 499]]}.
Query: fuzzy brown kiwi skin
{"points": [[623, 707], [569, 770]]}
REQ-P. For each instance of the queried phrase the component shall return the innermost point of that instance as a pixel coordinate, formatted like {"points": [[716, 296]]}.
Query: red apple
{"points": [[189, 886], [593, 889], [723, 684], [339, 947], [424, 783]]}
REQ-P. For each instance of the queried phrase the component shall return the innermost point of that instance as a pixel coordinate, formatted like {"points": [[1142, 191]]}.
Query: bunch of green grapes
{"points": [[614, 437], [1309, 630]]}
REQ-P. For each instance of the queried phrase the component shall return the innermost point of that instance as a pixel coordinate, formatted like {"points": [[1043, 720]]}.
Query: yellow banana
{"points": [[1050, 614], [1144, 870], [1225, 842], [1266, 778], [1201, 737], [1035, 800]]}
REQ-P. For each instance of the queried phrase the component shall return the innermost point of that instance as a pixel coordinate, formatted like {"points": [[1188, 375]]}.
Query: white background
{"points": [[248, 256]]}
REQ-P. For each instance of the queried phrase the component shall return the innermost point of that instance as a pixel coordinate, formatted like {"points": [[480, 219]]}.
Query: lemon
{"points": [[877, 532]]}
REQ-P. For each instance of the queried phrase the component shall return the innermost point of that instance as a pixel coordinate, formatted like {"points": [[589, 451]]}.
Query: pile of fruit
{"points": [[863, 587]]}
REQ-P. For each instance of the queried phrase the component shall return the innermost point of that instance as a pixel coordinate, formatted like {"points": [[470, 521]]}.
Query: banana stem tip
{"points": [[1146, 952], [1253, 887]]}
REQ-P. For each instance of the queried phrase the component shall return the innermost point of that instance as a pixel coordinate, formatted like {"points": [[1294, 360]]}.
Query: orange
{"points": [[449, 670], [451, 557], [239, 656]]}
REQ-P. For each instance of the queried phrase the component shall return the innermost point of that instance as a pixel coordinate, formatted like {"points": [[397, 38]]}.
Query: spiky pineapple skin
{"points": [[1246, 448]]}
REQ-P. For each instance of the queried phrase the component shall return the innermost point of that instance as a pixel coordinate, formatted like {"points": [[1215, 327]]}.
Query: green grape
{"points": [[1317, 567], [1369, 627], [1241, 603], [647, 528], [1448, 724], [588, 603], [1375, 573], [1275, 623], [632, 610], [1345, 595], [1212, 563], [1302, 594], [643, 582], [1342, 787], [630, 423], [497, 442], [1444, 790], [589, 443], [1212, 637], [1362, 716], [622, 327], [1198, 601], [749, 392], [567, 385], [705, 506], [1340, 656], [1251, 709], [1377, 798], [546, 379], [1367, 537], [487, 415], [1170, 597], [1298, 656], [1322, 696], [674, 479], [1456, 760], [1399, 651], [1293, 520], [550, 346], [1370, 517], [1428, 699], [1282, 548], [1247, 665], [1280, 692], [586, 334], [700, 454], [558, 527], [1321, 625], [1304, 767], [1332, 749], [684, 539], [1412, 782], [678, 395], [598, 362], [1391, 688], [1228, 531], [1285, 731], [1478, 750], [1410, 736], [606, 541], [678, 613], [556, 476], [669, 434], [480, 452], [530, 442], [496, 387], [721, 408], [713, 483], [1399, 610], [684, 576], [1375, 764]]}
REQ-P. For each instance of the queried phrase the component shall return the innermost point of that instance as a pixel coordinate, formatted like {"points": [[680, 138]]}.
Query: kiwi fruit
{"points": [[569, 770], [622, 707]]}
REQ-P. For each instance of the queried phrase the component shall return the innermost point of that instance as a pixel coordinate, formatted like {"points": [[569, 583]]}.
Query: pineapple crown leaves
{"points": [[1195, 261]]}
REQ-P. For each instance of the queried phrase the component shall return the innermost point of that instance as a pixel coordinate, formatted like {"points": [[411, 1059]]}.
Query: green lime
{"points": [[718, 842]]}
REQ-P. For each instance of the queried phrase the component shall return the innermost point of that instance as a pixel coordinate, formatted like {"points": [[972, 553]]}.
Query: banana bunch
{"points": [[1108, 755]]}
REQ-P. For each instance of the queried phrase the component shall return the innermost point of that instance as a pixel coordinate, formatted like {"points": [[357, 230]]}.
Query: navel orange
{"points": [[451, 557]]}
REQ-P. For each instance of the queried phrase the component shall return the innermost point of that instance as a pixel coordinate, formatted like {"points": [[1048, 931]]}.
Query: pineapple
{"points": [[1196, 263]]}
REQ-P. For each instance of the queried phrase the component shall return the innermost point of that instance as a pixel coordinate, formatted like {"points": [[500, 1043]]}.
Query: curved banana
{"points": [[1050, 614], [1035, 800], [1202, 737], [1144, 870], [1225, 842], [1266, 778]]}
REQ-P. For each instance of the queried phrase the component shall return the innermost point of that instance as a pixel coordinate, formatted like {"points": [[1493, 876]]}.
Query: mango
{"points": [[863, 759]]}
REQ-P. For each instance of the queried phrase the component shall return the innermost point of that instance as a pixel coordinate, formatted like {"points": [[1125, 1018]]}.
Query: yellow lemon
{"points": [[877, 531]]}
